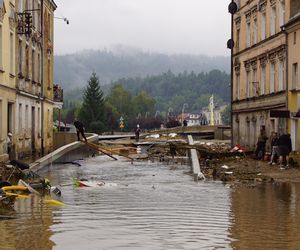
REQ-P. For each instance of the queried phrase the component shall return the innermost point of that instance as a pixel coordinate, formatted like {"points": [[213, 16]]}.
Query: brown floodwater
{"points": [[152, 206]]}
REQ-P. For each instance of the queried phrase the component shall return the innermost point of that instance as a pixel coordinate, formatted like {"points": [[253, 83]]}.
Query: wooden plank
{"points": [[94, 146]]}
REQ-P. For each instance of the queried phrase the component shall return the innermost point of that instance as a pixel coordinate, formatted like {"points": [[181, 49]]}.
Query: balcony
{"points": [[58, 93]]}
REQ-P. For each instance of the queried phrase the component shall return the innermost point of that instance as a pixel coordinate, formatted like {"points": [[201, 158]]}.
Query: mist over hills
{"points": [[73, 70]]}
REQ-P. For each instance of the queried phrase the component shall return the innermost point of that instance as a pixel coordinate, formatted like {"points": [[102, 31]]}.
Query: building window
{"points": [[254, 83], [237, 90], [255, 31], [48, 118], [12, 53], [295, 76], [39, 18], [33, 14], [280, 75], [39, 69], [20, 56], [262, 79], [26, 117], [27, 61], [295, 37], [49, 26], [20, 6], [39, 119], [20, 118], [273, 20], [248, 84], [248, 33], [281, 13], [49, 74], [238, 32], [263, 26], [33, 65], [272, 78]]}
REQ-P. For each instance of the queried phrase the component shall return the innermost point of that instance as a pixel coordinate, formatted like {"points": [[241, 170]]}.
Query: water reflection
{"points": [[151, 206], [266, 217], [30, 228]]}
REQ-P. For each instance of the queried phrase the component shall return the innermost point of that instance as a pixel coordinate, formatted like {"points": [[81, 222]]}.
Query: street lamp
{"points": [[232, 9], [64, 19], [185, 105]]}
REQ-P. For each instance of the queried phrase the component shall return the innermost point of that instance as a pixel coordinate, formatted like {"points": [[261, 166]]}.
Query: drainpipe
{"points": [[42, 77]]}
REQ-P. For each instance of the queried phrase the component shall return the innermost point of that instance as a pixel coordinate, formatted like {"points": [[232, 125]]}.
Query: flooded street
{"points": [[152, 206]]}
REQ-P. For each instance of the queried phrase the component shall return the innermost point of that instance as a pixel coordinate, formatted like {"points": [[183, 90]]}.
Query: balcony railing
{"points": [[58, 93]]}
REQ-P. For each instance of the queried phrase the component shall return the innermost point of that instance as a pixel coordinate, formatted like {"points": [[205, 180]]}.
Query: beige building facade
{"points": [[259, 98], [7, 74], [28, 102]]}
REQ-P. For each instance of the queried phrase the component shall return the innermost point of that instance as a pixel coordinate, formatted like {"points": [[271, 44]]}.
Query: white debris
{"points": [[228, 173], [225, 167], [200, 176], [172, 135], [155, 136]]}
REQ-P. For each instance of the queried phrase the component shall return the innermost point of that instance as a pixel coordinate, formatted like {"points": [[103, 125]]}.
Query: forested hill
{"points": [[73, 70], [173, 90]]}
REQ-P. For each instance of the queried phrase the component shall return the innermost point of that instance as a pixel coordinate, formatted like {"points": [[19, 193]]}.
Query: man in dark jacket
{"points": [[285, 147], [80, 129]]}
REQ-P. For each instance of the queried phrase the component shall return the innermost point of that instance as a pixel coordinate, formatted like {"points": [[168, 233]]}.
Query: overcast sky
{"points": [[168, 26]]}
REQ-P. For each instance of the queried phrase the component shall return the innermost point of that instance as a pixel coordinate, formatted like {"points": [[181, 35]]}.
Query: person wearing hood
{"points": [[137, 133]]}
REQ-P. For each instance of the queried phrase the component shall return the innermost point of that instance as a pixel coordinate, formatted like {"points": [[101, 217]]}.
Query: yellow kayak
{"points": [[14, 188]]}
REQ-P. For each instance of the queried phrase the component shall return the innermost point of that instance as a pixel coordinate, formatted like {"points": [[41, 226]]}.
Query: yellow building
{"points": [[292, 29], [7, 74], [26, 77], [47, 116], [259, 99]]}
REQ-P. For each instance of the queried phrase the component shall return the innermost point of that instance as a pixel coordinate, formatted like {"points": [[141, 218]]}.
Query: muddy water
{"points": [[151, 206]]}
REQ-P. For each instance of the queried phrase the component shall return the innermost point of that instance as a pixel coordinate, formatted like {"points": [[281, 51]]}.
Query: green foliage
{"points": [[97, 127], [143, 104], [121, 100], [170, 90], [92, 110], [226, 115]]}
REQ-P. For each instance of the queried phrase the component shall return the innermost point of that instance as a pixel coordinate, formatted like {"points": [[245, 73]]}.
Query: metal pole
{"points": [[42, 77]]}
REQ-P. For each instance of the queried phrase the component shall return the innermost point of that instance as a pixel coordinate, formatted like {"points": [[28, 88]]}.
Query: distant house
{"points": [[218, 110], [193, 119], [65, 127]]}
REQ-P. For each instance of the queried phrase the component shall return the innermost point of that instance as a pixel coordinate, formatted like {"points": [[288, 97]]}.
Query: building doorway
{"points": [[9, 118], [294, 135]]}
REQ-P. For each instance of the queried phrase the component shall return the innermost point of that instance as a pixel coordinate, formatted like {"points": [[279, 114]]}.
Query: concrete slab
{"points": [[195, 161]]}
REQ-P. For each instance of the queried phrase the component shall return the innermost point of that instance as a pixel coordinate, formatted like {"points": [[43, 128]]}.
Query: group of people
{"points": [[80, 130], [281, 146]]}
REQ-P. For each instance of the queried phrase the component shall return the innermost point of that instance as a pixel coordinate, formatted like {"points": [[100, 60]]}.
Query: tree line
{"points": [[148, 101]]}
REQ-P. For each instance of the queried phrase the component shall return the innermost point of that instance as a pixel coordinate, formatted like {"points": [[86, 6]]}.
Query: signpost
{"points": [[121, 123]]}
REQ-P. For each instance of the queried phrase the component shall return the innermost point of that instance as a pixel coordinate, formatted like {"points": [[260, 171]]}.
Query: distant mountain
{"points": [[73, 70]]}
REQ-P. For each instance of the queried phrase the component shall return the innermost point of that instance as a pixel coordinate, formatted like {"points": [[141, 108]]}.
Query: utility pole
{"points": [[232, 9]]}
